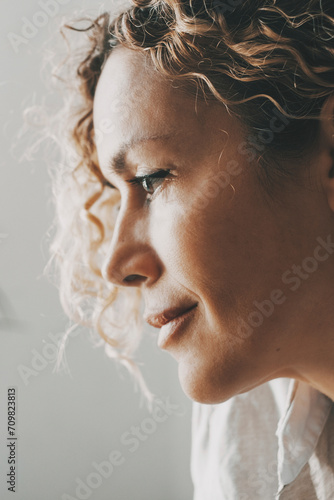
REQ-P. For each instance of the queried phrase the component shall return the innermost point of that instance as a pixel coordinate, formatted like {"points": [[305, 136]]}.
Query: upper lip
{"points": [[160, 319]]}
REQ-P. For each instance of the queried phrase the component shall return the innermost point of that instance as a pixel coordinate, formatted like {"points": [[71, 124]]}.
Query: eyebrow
{"points": [[117, 163]]}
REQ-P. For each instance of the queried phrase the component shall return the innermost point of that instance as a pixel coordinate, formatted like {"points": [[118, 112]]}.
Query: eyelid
{"points": [[159, 174], [138, 180]]}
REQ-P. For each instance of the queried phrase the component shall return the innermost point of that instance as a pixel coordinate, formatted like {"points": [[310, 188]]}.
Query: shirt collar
{"points": [[299, 429]]}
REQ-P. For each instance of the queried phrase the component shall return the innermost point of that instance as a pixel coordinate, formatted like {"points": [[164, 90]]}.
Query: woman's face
{"points": [[204, 233]]}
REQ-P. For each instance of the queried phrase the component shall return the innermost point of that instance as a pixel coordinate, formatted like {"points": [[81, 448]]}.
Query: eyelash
{"points": [[160, 174], [138, 181]]}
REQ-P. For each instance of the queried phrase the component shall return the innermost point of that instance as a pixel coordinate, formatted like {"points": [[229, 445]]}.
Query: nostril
{"points": [[131, 277], [135, 279]]}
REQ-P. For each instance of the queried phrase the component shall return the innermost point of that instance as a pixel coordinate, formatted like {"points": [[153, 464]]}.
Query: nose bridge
{"points": [[118, 251], [129, 251]]}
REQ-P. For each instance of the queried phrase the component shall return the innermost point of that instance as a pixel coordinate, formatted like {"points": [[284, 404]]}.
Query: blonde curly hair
{"points": [[254, 56]]}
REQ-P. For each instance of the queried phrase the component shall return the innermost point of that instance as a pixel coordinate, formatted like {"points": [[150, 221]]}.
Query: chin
{"points": [[202, 386]]}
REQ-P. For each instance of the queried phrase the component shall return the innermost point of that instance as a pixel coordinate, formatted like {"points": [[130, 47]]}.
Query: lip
{"points": [[171, 322], [160, 319]]}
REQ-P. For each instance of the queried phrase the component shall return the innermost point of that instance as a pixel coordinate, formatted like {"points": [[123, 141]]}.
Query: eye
{"points": [[150, 182]]}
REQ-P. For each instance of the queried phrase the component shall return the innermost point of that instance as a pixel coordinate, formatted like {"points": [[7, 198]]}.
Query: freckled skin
{"points": [[222, 249]]}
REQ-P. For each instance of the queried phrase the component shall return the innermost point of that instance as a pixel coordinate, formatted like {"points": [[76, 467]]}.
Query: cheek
{"points": [[207, 244], [223, 249], [198, 256], [182, 243]]}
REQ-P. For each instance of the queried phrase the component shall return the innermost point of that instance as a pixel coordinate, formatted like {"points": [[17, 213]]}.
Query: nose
{"points": [[131, 260]]}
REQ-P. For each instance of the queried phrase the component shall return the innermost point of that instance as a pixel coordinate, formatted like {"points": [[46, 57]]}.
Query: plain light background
{"points": [[66, 421]]}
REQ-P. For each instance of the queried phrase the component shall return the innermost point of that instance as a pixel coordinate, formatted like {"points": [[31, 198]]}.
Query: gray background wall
{"points": [[67, 421]]}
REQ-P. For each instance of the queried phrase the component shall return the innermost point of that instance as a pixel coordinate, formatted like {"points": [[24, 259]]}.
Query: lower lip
{"points": [[174, 327]]}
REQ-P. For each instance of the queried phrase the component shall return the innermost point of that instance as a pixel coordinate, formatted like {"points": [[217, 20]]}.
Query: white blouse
{"points": [[263, 445]]}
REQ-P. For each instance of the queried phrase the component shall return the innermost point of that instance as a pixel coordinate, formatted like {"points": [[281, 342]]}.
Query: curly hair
{"points": [[260, 58]]}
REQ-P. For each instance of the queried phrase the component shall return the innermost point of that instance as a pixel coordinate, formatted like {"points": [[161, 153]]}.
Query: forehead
{"points": [[130, 89], [125, 72], [132, 100]]}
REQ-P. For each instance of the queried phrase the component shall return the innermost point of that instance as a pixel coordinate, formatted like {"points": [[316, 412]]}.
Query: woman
{"points": [[206, 175]]}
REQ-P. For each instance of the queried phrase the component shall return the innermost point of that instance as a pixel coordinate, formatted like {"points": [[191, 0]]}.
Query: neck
{"points": [[316, 365]]}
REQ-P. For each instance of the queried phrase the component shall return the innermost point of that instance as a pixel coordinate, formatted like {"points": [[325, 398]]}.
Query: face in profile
{"points": [[195, 231]]}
